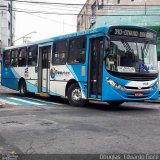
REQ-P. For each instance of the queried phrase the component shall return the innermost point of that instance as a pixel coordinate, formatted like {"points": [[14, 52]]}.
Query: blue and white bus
{"points": [[111, 64]]}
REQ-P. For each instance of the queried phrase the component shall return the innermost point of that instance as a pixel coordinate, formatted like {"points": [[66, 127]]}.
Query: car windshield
{"points": [[132, 57]]}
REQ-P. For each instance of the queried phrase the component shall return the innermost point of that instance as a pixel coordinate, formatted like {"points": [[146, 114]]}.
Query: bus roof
{"points": [[103, 29], [81, 33]]}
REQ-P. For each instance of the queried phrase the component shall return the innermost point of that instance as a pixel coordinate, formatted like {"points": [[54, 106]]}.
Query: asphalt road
{"points": [[95, 128]]}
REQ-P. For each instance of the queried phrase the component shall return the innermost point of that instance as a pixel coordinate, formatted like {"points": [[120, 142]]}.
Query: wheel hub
{"points": [[76, 95]]}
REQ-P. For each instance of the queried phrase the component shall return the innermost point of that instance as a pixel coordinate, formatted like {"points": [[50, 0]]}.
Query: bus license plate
{"points": [[138, 94]]}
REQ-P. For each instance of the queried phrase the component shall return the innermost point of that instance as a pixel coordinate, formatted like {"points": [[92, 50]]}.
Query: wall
{"points": [[5, 19]]}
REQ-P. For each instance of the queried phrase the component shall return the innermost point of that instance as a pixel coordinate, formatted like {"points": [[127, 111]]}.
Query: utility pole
{"points": [[11, 20]]}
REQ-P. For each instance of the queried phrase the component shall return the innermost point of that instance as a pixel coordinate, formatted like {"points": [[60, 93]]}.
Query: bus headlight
{"points": [[111, 82], [114, 84], [154, 87]]}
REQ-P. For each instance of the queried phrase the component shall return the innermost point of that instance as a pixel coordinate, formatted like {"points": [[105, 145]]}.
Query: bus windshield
{"points": [[132, 57]]}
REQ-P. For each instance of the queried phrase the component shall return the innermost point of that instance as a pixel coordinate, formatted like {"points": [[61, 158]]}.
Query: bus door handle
{"points": [[93, 80]]}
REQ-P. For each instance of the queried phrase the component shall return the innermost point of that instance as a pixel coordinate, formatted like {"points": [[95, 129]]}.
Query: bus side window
{"points": [[45, 58], [77, 50], [22, 58], [60, 50], [32, 56], [14, 58], [6, 58]]}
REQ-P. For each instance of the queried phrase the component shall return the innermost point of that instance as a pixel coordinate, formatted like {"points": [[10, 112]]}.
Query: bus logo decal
{"points": [[54, 73]]}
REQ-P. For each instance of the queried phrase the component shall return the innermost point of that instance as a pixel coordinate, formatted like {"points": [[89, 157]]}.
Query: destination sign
{"points": [[140, 33]]}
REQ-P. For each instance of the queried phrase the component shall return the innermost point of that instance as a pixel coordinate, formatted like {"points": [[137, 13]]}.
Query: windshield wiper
{"points": [[127, 46]]}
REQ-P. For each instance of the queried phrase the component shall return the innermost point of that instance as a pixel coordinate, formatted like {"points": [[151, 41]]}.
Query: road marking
{"points": [[21, 100], [25, 101], [44, 101], [6, 102]]}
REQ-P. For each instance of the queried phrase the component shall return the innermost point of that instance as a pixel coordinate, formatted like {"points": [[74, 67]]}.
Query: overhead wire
{"points": [[57, 13], [49, 3], [75, 14], [52, 20], [67, 12], [104, 8], [58, 8], [40, 11], [73, 4]]}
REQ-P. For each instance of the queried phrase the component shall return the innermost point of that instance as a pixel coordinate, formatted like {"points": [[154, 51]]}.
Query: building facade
{"points": [[96, 13], [7, 25], [94, 9]]}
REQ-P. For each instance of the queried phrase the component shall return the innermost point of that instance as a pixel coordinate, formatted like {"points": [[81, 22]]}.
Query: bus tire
{"points": [[74, 95], [23, 88], [115, 103]]}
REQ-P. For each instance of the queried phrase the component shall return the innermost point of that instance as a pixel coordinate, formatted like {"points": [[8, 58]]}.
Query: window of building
{"points": [[9, 25], [81, 19], [78, 26], [77, 50], [14, 15], [93, 7], [60, 50], [6, 58], [14, 58], [22, 58], [118, 1], [32, 55], [9, 42], [9, 8], [100, 4]]}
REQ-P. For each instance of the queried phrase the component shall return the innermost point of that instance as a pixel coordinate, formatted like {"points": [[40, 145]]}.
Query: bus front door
{"points": [[95, 68], [43, 69]]}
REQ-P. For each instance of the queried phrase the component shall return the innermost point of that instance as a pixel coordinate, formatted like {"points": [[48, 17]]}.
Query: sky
{"points": [[45, 25]]}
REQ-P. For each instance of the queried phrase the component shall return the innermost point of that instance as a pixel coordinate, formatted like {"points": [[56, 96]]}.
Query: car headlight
{"points": [[114, 84]]}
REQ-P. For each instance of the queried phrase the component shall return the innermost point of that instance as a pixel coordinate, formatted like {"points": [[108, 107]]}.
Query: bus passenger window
{"points": [[60, 51], [14, 58], [77, 50], [22, 57], [6, 58], [32, 55]]}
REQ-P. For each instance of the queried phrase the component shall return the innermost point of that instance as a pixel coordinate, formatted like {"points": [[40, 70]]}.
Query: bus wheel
{"points": [[75, 95], [115, 103], [23, 88]]}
